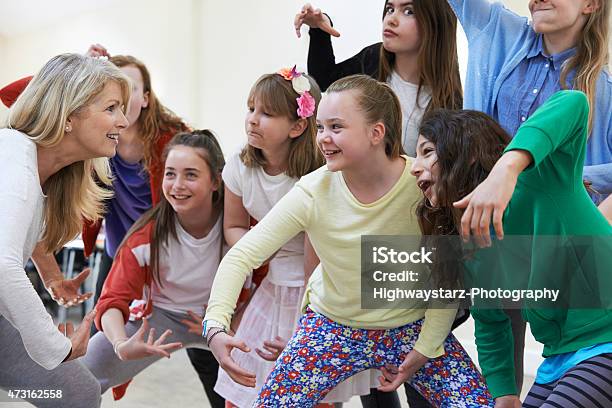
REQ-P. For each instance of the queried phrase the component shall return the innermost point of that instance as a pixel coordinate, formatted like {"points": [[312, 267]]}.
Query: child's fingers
{"points": [[274, 350], [385, 386], [307, 8], [157, 351], [331, 30], [144, 327], [171, 346], [463, 203], [265, 356], [163, 337], [239, 344], [483, 227], [196, 317], [391, 386], [190, 324], [238, 374], [274, 344], [498, 214], [151, 338], [466, 220], [388, 374], [297, 24]]}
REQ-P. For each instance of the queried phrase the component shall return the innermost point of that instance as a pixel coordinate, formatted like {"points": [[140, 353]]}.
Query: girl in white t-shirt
{"points": [[168, 260], [281, 131]]}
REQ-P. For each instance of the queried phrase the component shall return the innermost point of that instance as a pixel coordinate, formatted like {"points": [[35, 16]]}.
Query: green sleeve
{"points": [[286, 219], [563, 117], [495, 345]]}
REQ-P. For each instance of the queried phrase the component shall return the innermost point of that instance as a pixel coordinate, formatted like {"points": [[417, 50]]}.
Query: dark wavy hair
{"points": [[468, 144]]}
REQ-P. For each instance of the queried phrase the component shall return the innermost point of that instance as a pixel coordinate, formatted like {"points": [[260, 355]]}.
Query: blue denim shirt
{"points": [[529, 85], [499, 42]]}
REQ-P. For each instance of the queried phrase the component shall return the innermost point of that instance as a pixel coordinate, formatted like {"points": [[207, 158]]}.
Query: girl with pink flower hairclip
{"points": [[281, 147]]}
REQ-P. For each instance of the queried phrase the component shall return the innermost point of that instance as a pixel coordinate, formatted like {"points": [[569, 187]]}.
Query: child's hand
{"points": [[508, 401], [135, 347], [273, 348], [314, 18], [490, 199], [394, 377], [221, 346], [194, 323], [96, 51]]}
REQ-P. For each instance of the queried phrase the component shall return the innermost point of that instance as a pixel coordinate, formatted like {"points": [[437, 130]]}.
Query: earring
{"points": [[68, 129]]}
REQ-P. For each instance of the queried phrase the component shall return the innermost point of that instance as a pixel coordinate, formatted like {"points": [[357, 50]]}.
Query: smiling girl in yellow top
{"points": [[365, 189]]}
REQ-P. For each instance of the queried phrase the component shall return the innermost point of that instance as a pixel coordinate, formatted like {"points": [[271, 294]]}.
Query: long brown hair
{"points": [[468, 144], [65, 86], [378, 103], [437, 56], [155, 118], [591, 55], [163, 215], [279, 98]]}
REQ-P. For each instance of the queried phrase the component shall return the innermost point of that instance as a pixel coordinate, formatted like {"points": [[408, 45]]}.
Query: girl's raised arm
{"points": [[476, 15], [321, 59]]}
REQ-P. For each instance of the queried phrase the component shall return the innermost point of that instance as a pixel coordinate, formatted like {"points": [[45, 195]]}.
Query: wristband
{"points": [[116, 345], [214, 333], [208, 325]]}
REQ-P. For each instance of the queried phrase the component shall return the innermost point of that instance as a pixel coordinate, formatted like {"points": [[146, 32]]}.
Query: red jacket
{"points": [[128, 279]]}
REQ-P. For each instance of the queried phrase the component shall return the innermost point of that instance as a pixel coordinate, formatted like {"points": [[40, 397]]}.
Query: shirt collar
{"points": [[557, 60]]}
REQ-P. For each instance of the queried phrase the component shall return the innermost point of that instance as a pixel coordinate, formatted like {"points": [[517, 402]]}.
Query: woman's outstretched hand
{"points": [[489, 200], [66, 291], [313, 18], [136, 347], [79, 338], [221, 346]]}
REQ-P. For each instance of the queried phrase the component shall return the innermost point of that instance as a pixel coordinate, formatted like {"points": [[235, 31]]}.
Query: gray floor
{"points": [[174, 382], [171, 382]]}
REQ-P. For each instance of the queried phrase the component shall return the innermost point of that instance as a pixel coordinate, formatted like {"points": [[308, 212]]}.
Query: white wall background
{"points": [[203, 55]]}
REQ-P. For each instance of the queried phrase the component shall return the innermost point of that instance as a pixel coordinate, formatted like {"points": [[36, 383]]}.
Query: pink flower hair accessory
{"points": [[301, 85], [306, 105]]}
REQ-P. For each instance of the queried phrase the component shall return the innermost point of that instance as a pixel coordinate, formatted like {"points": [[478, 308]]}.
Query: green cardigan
{"points": [[550, 202]]}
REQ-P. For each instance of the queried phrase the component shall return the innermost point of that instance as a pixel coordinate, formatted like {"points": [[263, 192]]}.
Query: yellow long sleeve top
{"points": [[322, 205]]}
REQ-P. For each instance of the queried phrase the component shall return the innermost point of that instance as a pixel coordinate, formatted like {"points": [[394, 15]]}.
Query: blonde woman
{"points": [[58, 135]]}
